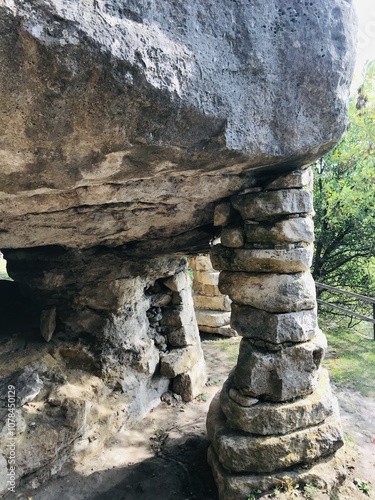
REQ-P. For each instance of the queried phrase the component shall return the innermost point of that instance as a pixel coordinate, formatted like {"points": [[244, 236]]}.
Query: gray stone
{"points": [[276, 328], [225, 330], [240, 452], [279, 376], [186, 335], [232, 237], [223, 214], [296, 230], [3, 474], [272, 419], [297, 179], [294, 260], [179, 360], [178, 282], [328, 474], [190, 384], [48, 323], [239, 399], [212, 318], [277, 293], [119, 167], [272, 203]]}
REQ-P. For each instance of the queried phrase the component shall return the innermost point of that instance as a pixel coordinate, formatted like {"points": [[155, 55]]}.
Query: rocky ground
{"points": [[164, 456]]}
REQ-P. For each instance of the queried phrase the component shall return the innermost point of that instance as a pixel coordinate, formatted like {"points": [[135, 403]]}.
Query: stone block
{"points": [[179, 281], [212, 318], [179, 360], [299, 229], [276, 328], [297, 179], [271, 419], [278, 293], [200, 263], [225, 330], [184, 336], [279, 376], [294, 260], [223, 213], [232, 237], [272, 203], [206, 277], [218, 303], [48, 323], [211, 290], [190, 384], [240, 452], [328, 474]]}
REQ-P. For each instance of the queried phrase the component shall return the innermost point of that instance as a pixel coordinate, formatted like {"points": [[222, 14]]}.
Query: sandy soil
{"points": [[164, 457]]}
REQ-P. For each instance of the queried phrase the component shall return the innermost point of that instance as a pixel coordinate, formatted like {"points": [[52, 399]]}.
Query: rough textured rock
{"points": [[242, 452], [270, 292], [296, 230], [124, 124], [294, 260], [189, 384], [280, 376], [179, 361], [232, 237], [273, 203], [218, 303], [275, 328], [212, 318], [328, 474], [272, 419]]}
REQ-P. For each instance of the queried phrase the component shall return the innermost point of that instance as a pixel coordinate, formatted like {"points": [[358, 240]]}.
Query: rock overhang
{"points": [[127, 121]]}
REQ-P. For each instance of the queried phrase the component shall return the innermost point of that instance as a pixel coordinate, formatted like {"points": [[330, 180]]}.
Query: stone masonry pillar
{"points": [[275, 420]]}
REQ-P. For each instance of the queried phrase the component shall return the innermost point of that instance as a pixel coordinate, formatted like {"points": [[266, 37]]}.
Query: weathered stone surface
{"points": [[276, 328], [239, 452], [48, 323], [237, 397], [178, 282], [179, 360], [327, 474], [223, 214], [218, 303], [282, 375], [297, 179], [209, 290], [272, 203], [225, 330], [232, 237], [300, 229], [200, 263], [277, 293], [190, 384], [272, 419], [163, 105], [206, 278], [293, 260], [184, 336], [212, 318]]}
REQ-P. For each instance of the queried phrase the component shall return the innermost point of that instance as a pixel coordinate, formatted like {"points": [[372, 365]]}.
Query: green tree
{"points": [[344, 190]]}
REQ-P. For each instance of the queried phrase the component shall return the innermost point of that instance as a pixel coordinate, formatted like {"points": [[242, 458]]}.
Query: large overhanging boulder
{"points": [[127, 120]]}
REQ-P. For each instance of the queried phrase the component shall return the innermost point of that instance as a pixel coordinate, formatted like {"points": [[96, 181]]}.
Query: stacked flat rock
{"points": [[212, 308], [276, 412]]}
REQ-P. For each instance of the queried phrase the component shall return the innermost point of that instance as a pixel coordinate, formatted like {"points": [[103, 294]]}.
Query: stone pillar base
{"points": [[327, 475]]}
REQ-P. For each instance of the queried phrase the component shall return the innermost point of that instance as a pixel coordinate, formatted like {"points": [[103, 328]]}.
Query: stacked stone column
{"points": [[275, 418]]}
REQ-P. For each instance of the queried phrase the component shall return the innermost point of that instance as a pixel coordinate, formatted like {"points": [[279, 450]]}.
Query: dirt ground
{"points": [[164, 457]]}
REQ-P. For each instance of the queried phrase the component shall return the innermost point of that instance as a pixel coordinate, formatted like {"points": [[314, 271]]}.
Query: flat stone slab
{"points": [[282, 375], [275, 328], [218, 303], [212, 318], [327, 474], [240, 452], [272, 203], [206, 277], [294, 260], [297, 179], [179, 360], [278, 293], [269, 418], [299, 229], [225, 330]]}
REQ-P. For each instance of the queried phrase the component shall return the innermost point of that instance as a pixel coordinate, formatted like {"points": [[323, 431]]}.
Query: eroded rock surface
{"points": [[126, 121]]}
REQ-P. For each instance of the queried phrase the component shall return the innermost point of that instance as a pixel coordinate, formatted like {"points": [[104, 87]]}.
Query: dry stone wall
{"points": [[276, 411], [212, 308]]}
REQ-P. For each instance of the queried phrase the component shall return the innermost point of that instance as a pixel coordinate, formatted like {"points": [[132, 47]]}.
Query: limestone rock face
{"points": [[128, 120]]}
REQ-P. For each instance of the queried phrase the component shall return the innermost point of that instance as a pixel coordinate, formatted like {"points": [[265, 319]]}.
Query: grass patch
{"points": [[350, 358], [228, 345]]}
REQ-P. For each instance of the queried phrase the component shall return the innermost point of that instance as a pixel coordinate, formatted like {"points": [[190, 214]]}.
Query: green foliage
{"points": [[345, 200]]}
